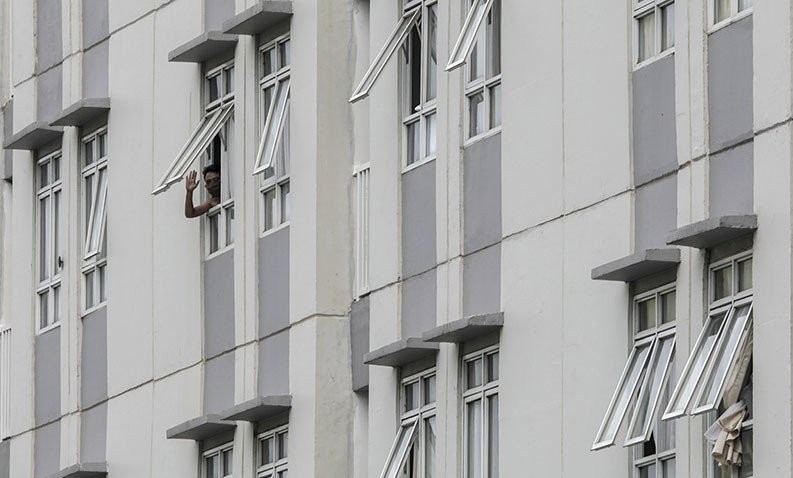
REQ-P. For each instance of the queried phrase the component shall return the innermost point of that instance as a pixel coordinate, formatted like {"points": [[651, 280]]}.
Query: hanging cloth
{"points": [[725, 435]]}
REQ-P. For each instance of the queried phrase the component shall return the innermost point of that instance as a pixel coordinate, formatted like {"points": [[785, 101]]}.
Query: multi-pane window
{"points": [[722, 10], [49, 257], [94, 200], [272, 159], [361, 178], [642, 385], [654, 27], [217, 463], [219, 91], [480, 414], [272, 454], [413, 453]]}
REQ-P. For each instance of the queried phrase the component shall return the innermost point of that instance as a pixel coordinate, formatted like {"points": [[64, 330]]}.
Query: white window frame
{"points": [[280, 465], [478, 10], [50, 285], [483, 393], [361, 179], [273, 161], [94, 265], [733, 17], [642, 8], [217, 451]]}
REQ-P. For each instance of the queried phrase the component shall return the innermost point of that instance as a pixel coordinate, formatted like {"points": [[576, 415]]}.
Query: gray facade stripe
{"points": [[8, 131], [730, 63], [49, 93], [48, 376], [419, 304], [273, 373], [273, 287], [95, 22], [418, 219], [654, 132], [482, 282], [5, 459], [219, 383], [95, 71], [49, 41], [47, 450], [93, 364], [93, 435], [216, 12], [359, 342], [219, 304], [656, 213], [731, 177], [482, 194]]}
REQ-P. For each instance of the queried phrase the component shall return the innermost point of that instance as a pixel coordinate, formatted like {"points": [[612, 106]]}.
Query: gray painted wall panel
{"points": [[5, 459], [419, 296], [219, 304], [95, 21], [93, 435], [482, 282], [47, 450], [93, 368], [654, 135], [656, 212], [8, 130], [48, 376], [49, 90], [731, 181], [730, 84], [359, 340], [274, 282], [482, 194], [418, 219], [273, 373], [219, 383], [216, 12], [49, 41], [95, 72]]}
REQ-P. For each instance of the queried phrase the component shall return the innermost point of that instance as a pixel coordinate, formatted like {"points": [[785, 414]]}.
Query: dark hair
{"points": [[212, 168]]}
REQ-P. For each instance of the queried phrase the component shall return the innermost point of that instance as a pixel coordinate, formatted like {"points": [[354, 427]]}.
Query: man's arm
{"points": [[190, 185]]}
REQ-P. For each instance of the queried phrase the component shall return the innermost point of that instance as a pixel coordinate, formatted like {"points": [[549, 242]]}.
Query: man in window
{"points": [[211, 175]]}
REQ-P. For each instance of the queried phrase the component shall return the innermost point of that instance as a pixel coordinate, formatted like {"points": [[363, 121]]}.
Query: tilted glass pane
{"points": [[626, 389], [429, 447], [96, 223], [473, 21], [394, 41], [399, 450], [432, 52], [273, 128]]}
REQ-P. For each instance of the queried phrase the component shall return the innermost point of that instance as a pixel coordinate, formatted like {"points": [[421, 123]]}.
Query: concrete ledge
{"points": [[205, 46], [401, 353], [82, 112], [33, 136], [708, 233], [259, 408], [200, 428], [465, 329], [259, 17], [637, 265], [82, 470]]}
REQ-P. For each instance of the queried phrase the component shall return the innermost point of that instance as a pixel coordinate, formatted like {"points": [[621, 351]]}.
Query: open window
{"points": [[468, 34], [94, 159], [272, 135], [399, 450]]}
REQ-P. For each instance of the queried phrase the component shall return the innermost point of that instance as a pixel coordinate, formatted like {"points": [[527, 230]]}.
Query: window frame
{"points": [[217, 451], [483, 392], [734, 16], [52, 283], [272, 469], [362, 181], [642, 8], [487, 84], [94, 262]]}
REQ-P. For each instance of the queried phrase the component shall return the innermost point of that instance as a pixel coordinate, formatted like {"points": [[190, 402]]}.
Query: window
{"points": [[482, 50], [5, 382], [217, 463], [480, 414], [361, 178], [413, 453], [48, 237], [94, 199], [273, 450], [272, 158], [724, 10], [641, 386], [654, 27]]}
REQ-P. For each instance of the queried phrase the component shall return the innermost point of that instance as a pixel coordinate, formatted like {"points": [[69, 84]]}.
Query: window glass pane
{"points": [[88, 200], [285, 206], [429, 390], [473, 438], [492, 436], [668, 308], [668, 467], [268, 62], [746, 470], [284, 53], [476, 62], [90, 299], [230, 225], [212, 466], [56, 231], [647, 471], [744, 4], [473, 373], [98, 211], [495, 106], [284, 146], [722, 10], [432, 127], [403, 444], [282, 474], [646, 314], [722, 283], [494, 24], [44, 174], [665, 429], [668, 26], [102, 288], [476, 114], [44, 240], [647, 402], [412, 142], [102, 145], [412, 71], [266, 451], [44, 310], [227, 462], [56, 304], [56, 168], [228, 80], [411, 396], [267, 101], [646, 36], [213, 232], [214, 88], [492, 367], [88, 152], [429, 447], [744, 275], [432, 52], [283, 445], [269, 209]]}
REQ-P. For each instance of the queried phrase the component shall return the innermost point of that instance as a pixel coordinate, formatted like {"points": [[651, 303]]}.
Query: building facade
{"points": [[458, 238]]}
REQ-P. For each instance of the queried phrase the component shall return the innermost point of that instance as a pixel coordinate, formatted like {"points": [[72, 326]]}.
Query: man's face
{"points": [[212, 183]]}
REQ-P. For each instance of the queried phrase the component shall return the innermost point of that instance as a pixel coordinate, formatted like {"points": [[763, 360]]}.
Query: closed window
{"points": [[49, 240], [94, 214], [218, 462], [361, 179], [272, 456], [722, 11], [654, 28], [480, 414]]}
